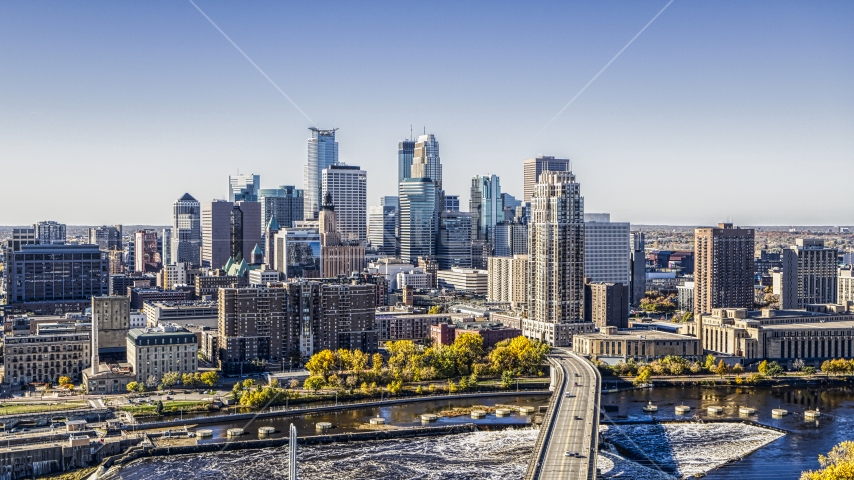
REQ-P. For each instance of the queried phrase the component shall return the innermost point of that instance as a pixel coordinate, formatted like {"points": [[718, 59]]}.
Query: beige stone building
{"points": [[508, 280], [643, 345], [44, 357], [155, 351]]}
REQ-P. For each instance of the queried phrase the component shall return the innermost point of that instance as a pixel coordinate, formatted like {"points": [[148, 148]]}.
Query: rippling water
{"points": [[496, 455]]}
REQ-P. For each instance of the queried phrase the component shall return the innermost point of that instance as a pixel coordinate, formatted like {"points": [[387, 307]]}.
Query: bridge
{"points": [[569, 437]]}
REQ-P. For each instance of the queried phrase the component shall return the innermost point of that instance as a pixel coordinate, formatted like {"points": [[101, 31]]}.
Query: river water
{"points": [[505, 454]]}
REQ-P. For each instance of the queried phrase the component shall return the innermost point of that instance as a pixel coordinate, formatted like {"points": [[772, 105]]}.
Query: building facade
{"points": [[508, 280], [107, 237], [242, 187], [534, 168], [338, 256], [147, 257], [809, 274], [418, 218], [723, 276], [607, 250], [285, 204], [511, 238], [45, 357], [322, 153], [464, 280], [347, 186], [644, 345], [111, 315], [485, 206], [186, 241], [453, 247], [153, 352], [49, 232], [607, 304]]}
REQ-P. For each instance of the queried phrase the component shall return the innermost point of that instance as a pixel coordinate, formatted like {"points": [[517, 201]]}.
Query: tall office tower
{"points": [[186, 242], [146, 254], [638, 288], [809, 274], [20, 237], [49, 232], [453, 248], [245, 230], [394, 202], [845, 285], [113, 324], [405, 152], [534, 168], [297, 253], [511, 238], [607, 304], [227, 229], [509, 203], [418, 219], [322, 153], [106, 237], [425, 160], [270, 232], [337, 256], [508, 280], [117, 261], [347, 184], [556, 250], [286, 203], [452, 203], [723, 270], [485, 206], [164, 243], [382, 228], [607, 254], [243, 187], [54, 279]]}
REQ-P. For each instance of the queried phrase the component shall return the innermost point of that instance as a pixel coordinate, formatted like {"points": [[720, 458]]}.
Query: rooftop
{"points": [[632, 334]]}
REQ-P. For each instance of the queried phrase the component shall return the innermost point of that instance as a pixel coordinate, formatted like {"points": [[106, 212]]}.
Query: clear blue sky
{"points": [[111, 110]]}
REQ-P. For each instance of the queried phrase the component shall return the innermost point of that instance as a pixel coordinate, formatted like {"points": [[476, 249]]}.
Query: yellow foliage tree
{"points": [[837, 465]]}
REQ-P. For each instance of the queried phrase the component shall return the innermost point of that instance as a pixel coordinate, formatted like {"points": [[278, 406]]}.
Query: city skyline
{"points": [[741, 107]]}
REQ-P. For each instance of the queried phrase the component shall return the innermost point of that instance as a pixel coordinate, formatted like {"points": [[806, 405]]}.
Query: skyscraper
{"points": [[229, 228], [425, 160], [243, 187], [347, 186], [405, 152], [49, 232], [486, 206], [809, 274], [322, 153], [534, 167], [186, 242], [146, 254], [453, 248], [245, 230], [382, 228], [638, 290], [511, 238], [337, 256], [107, 237], [556, 250], [452, 203], [286, 203], [606, 250], [723, 270], [418, 218]]}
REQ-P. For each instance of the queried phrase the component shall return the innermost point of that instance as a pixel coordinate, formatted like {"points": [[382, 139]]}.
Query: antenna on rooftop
{"points": [[410, 132]]}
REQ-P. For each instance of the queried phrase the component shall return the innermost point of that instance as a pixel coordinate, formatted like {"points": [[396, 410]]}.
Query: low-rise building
{"points": [[202, 313], [138, 296], [416, 279], [555, 334], [612, 345], [392, 326], [491, 332], [109, 378], [155, 351], [442, 334], [607, 304], [464, 280], [45, 357]]}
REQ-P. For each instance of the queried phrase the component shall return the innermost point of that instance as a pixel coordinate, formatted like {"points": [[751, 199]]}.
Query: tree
{"points": [[737, 369], [210, 378], [64, 381], [808, 371], [132, 386], [506, 379], [188, 380], [435, 309], [467, 348], [169, 379], [763, 367], [294, 383], [775, 370], [377, 363], [248, 383], [710, 362], [395, 386], [837, 465], [643, 375], [722, 369], [151, 381], [321, 363], [452, 387], [159, 407], [314, 383], [798, 364]]}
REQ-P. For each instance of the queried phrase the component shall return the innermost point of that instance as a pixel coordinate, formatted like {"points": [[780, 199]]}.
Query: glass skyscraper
{"points": [[286, 203], [418, 219], [322, 153], [486, 206], [405, 151], [243, 187], [425, 160], [185, 244]]}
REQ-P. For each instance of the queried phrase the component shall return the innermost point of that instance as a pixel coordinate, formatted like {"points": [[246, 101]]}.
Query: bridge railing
{"points": [[548, 423]]}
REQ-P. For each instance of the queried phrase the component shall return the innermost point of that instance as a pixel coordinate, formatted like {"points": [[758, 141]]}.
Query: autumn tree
{"points": [[722, 369], [210, 378], [763, 367], [63, 381], [132, 386], [837, 465], [643, 375], [314, 383], [321, 364]]}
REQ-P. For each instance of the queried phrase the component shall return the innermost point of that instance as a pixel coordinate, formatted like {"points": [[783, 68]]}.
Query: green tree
{"points": [[775, 370], [808, 370], [506, 379], [210, 377], [314, 383], [170, 379], [837, 465], [159, 407], [710, 362]]}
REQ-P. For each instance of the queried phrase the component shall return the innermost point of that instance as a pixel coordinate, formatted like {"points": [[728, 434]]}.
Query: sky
{"points": [[109, 111]]}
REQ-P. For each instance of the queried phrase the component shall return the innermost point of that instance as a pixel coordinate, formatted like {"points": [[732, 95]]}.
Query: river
{"points": [[504, 454]]}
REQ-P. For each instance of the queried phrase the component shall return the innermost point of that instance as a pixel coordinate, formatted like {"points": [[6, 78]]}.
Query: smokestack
{"points": [[96, 361]]}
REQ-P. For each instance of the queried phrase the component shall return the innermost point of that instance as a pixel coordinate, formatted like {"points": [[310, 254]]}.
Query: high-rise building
{"points": [[347, 185], [418, 218], [165, 245], [453, 246], [452, 203], [556, 251], [113, 323], [809, 274], [723, 270], [337, 256], [486, 206], [107, 237], [534, 168], [509, 204], [297, 253], [405, 152], [322, 153], [425, 160], [511, 238], [607, 253], [146, 253], [253, 325], [270, 232], [49, 232], [638, 288], [607, 304], [186, 242], [229, 230], [286, 203], [54, 279], [243, 187], [382, 227], [508, 280], [845, 285]]}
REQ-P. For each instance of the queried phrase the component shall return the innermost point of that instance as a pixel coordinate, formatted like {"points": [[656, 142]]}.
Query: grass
{"points": [[17, 408], [169, 406]]}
